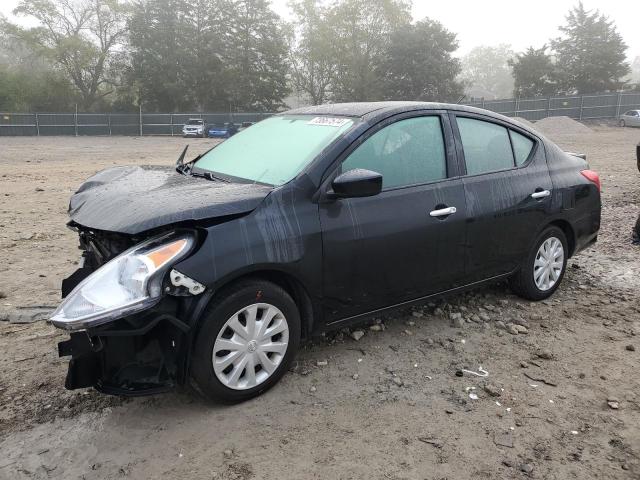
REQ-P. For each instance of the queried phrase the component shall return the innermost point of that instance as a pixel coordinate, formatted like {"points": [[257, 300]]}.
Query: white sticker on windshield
{"points": [[329, 121]]}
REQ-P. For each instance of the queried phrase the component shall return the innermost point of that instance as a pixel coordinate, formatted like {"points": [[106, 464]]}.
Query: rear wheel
{"points": [[247, 342], [622, 123], [542, 271]]}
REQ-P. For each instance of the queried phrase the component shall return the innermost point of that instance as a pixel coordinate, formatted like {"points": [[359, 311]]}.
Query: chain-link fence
{"points": [[579, 107], [42, 124]]}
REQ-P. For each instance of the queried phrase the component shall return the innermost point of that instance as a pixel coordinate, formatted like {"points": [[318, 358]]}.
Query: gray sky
{"points": [[490, 22]]}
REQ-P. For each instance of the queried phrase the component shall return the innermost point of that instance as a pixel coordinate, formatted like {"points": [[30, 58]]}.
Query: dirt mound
{"points": [[560, 126], [524, 121]]}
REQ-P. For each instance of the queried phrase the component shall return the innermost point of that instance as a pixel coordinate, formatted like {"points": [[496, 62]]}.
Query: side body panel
{"points": [[281, 235], [575, 199]]}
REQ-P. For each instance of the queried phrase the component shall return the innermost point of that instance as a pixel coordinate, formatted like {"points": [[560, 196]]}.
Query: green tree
{"points": [[591, 53], [227, 55], [255, 58], [419, 64], [80, 39], [634, 75], [486, 71], [28, 82], [166, 39], [313, 65], [534, 73], [362, 32], [28, 91]]}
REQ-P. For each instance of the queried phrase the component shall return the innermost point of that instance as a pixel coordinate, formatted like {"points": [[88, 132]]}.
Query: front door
{"points": [[406, 242]]}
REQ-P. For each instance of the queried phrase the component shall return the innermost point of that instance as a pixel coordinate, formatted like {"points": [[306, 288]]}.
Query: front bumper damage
{"points": [[142, 354]]}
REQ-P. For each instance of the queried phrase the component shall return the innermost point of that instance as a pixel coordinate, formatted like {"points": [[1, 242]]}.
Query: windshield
{"points": [[274, 150], [194, 122]]}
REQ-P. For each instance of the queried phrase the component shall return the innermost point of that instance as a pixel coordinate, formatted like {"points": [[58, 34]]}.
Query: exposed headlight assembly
{"points": [[129, 283]]}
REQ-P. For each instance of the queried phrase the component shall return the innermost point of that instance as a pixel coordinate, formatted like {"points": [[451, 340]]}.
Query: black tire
{"points": [[230, 301], [523, 283], [622, 123], [635, 235]]}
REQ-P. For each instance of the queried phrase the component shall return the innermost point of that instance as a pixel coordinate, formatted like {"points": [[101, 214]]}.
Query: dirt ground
{"points": [[561, 399]]}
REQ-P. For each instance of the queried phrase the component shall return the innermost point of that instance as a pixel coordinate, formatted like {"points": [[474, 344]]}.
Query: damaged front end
{"points": [[129, 312]]}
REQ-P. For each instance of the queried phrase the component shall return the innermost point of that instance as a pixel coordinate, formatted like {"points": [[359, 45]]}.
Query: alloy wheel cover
{"points": [[548, 264], [250, 346]]}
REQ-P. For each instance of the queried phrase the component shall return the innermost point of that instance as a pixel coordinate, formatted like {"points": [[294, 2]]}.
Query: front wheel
{"points": [[543, 269], [247, 342], [622, 123]]}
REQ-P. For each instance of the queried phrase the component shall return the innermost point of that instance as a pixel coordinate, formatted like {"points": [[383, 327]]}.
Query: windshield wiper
{"points": [[209, 176], [185, 168]]}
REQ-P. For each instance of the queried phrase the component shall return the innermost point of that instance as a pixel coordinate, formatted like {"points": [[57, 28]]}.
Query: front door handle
{"points": [[443, 212], [542, 194]]}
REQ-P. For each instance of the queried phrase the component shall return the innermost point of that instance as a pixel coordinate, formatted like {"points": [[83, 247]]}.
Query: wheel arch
{"points": [[289, 283], [569, 233]]}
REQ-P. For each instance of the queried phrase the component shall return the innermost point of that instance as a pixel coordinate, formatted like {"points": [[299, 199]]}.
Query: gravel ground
{"points": [[561, 399]]}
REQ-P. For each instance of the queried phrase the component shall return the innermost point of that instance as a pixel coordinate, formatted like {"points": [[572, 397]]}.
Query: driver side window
{"points": [[408, 152]]}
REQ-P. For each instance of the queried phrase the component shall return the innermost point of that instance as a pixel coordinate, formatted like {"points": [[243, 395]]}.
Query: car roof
{"points": [[372, 111]]}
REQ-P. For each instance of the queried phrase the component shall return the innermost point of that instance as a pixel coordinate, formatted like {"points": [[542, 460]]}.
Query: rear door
{"points": [[508, 190], [399, 245]]}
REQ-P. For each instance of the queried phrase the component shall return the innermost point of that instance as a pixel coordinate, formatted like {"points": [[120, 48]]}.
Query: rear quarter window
{"points": [[522, 147]]}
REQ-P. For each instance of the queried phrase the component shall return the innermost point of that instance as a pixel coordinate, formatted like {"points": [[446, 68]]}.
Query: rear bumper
{"points": [[586, 231]]}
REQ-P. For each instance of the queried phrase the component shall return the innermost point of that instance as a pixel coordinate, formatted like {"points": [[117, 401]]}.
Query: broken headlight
{"points": [[127, 284]]}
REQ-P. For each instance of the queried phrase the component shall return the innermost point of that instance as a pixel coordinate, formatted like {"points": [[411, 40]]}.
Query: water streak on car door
{"points": [[409, 240], [503, 217], [383, 250]]}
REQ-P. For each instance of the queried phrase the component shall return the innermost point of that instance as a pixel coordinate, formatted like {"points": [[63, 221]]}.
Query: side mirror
{"points": [[356, 183]]}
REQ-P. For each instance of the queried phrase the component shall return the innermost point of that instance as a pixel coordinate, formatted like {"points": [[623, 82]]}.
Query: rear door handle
{"points": [[443, 212], [542, 194]]}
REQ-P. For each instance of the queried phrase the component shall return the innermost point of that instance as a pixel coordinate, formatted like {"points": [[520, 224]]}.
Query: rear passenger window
{"points": [[486, 146], [522, 147], [408, 152]]}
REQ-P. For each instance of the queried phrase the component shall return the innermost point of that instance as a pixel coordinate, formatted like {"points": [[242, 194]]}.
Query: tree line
{"points": [[239, 55]]}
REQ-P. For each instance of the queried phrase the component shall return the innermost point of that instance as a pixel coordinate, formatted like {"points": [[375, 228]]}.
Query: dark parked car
{"points": [[309, 220], [222, 130]]}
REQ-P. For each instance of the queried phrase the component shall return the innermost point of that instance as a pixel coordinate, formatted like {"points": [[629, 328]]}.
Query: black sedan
{"points": [[310, 220]]}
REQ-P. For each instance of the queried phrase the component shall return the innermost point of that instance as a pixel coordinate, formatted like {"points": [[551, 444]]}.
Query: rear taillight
{"points": [[592, 177]]}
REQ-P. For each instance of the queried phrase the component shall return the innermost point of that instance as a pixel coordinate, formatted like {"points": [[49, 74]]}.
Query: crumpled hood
{"points": [[135, 199]]}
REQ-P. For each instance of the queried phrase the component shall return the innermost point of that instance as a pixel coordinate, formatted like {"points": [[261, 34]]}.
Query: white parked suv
{"points": [[194, 127]]}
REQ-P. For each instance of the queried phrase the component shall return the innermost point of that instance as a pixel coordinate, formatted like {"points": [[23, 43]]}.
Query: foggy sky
{"points": [[490, 22]]}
